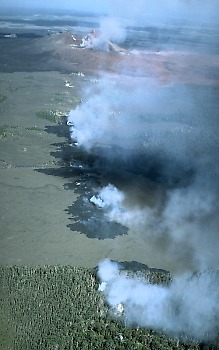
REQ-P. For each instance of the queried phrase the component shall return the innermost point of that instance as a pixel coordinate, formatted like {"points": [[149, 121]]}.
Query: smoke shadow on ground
{"points": [[80, 169], [122, 167], [87, 173]]}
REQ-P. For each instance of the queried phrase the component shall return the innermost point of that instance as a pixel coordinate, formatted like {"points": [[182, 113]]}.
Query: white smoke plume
{"points": [[112, 29], [109, 197], [164, 147], [132, 112], [189, 305], [183, 228], [160, 146]]}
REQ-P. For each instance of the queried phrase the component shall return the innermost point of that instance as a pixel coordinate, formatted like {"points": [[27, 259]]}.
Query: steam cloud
{"points": [[161, 147], [165, 191], [169, 200], [111, 29], [188, 305]]}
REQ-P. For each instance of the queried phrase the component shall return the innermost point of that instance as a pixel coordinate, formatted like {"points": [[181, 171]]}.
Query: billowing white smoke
{"points": [[174, 211], [109, 197], [189, 305], [133, 113], [108, 112], [177, 220], [180, 221], [183, 228], [110, 31]]}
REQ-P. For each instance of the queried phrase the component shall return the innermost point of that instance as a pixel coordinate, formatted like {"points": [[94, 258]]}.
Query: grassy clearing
{"points": [[2, 98], [55, 307], [3, 129], [60, 97], [29, 77], [34, 128]]}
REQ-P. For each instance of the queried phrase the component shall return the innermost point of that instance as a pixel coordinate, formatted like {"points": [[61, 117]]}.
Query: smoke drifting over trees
{"points": [[163, 148], [161, 142]]}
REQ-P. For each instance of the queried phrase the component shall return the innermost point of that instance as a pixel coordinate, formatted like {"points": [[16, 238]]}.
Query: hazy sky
{"points": [[140, 9], [84, 5]]}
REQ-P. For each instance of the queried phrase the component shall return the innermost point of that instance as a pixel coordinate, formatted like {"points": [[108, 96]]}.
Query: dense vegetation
{"points": [[54, 307]]}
